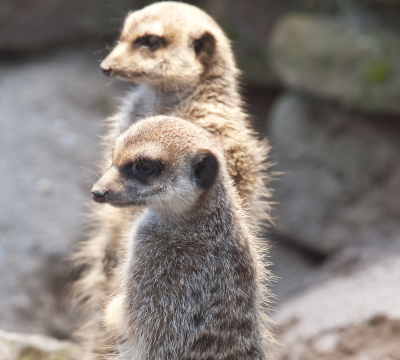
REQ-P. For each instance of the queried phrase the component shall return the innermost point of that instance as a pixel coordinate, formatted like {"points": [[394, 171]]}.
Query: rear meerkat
{"points": [[183, 66], [192, 280]]}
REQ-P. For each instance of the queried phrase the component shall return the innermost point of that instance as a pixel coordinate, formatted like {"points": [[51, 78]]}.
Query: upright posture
{"points": [[192, 279], [184, 67]]}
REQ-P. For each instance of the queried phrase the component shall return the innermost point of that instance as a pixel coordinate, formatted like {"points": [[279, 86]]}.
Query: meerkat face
{"points": [[166, 175], [168, 44]]}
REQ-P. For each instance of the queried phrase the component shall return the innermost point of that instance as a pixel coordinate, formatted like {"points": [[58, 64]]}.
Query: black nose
{"points": [[107, 72], [99, 196]]}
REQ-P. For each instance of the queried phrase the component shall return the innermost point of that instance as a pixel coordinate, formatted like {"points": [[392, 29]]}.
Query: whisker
{"points": [[101, 166], [123, 12], [90, 171], [97, 52]]}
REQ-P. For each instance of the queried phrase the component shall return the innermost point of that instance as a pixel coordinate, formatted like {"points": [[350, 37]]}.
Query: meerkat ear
{"points": [[204, 47], [206, 168]]}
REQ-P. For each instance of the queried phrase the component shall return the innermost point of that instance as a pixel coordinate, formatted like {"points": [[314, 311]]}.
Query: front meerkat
{"points": [[191, 284], [183, 66]]}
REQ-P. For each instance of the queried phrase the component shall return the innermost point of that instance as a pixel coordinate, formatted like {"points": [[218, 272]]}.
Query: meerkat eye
{"points": [[153, 42], [144, 169]]}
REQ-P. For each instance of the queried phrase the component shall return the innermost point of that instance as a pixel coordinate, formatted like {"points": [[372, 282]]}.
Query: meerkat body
{"points": [[191, 283], [183, 66]]}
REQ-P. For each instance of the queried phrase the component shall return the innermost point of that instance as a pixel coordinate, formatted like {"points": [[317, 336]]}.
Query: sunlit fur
{"points": [[172, 80], [191, 284]]}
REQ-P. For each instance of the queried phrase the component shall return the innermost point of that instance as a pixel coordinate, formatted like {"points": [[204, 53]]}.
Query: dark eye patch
{"points": [[143, 169], [153, 42]]}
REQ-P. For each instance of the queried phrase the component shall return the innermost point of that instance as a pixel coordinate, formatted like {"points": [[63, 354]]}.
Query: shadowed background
{"points": [[321, 79]]}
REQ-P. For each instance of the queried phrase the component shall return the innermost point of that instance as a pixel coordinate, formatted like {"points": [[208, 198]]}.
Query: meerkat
{"points": [[192, 281], [182, 64]]}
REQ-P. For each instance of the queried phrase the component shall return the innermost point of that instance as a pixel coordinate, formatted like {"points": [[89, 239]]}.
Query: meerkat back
{"points": [[192, 283], [183, 66]]}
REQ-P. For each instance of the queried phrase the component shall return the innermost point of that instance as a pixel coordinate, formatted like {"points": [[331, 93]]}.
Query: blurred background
{"points": [[321, 79]]}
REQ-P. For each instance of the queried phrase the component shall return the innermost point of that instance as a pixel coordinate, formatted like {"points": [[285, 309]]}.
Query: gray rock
{"points": [[32, 25], [341, 176], [293, 268], [335, 60], [51, 109], [15, 346], [347, 318], [248, 24]]}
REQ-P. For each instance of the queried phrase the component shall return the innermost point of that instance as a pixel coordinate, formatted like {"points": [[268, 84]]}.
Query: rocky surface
{"points": [[341, 176], [29, 26], [50, 114], [347, 318], [15, 346], [332, 59]]}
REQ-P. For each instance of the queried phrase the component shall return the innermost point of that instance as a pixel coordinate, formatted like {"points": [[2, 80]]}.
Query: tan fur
{"points": [[194, 77], [191, 284]]}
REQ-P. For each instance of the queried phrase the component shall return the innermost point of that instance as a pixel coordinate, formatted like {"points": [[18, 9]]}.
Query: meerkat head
{"points": [[163, 163], [169, 44]]}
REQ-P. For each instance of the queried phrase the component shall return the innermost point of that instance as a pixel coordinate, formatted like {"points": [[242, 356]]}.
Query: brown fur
{"points": [[192, 75], [191, 283]]}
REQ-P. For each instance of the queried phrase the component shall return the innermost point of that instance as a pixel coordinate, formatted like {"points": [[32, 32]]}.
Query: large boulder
{"points": [[338, 60], [248, 24], [28, 26], [346, 318], [15, 346], [341, 175]]}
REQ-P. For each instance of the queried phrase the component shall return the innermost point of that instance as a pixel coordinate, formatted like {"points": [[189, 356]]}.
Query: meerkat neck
{"points": [[219, 86], [182, 214], [169, 98]]}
